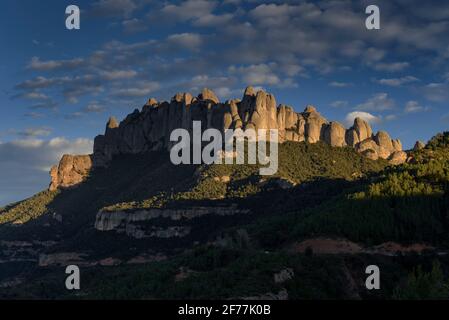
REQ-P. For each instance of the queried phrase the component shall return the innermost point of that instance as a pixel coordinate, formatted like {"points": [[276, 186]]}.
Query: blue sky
{"points": [[58, 87]]}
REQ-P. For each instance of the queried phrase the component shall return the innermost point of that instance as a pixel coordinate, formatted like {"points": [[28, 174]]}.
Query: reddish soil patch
{"points": [[328, 246], [391, 248], [343, 246]]}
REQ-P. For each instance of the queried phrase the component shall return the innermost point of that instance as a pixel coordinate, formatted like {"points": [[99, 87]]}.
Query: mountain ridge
{"points": [[166, 223], [149, 130]]}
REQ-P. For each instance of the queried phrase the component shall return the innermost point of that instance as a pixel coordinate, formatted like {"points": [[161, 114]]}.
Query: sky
{"points": [[58, 87]]}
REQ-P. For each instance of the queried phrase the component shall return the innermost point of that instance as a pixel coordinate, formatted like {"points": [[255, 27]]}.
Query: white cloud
{"points": [[413, 107], [34, 115], [32, 95], [51, 65], [118, 74], [339, 104], [271, 15], [261, 74], [46, 105], [191, 41], [113, 8], [35, 132], [396, 82], [220, 85], [370, 118], [437, 92], [265, 11], [256, 74], [212, 20], [226, 93], [140, 90], [372, 55], [337, 84], [189, 9], [134, 25], [74, 115], [71, 87], [291, 69], [37, 83], [378, 102], [391, 67], [94, 107]]}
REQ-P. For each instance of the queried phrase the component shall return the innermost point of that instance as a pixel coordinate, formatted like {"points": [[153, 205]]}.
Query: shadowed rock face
{"points": [[131, 222], [150, 129]]}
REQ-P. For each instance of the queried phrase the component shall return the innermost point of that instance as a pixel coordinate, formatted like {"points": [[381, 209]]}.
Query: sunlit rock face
{"points": [[149, 129], [71, 171]]}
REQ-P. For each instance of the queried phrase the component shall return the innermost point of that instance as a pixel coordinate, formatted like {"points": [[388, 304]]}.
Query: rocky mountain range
{"points": [[149, 129], [141, 227]]}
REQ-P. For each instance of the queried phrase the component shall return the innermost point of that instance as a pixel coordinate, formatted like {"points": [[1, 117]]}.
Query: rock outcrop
{"points": [[284, 275], [419, 145], [398, 157], [132, 223], [149, 129], [382, 146], [107, 220], [71, 171], [335, 134]]}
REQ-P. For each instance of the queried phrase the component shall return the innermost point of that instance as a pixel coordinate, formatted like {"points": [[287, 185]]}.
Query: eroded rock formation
{"points": [[70, 171], [149, 129], [126, 221], [419, 145]]}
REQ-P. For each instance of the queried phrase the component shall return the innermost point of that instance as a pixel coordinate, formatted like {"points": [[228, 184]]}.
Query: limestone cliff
{"points": [[70, 171], [149, 129]]}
